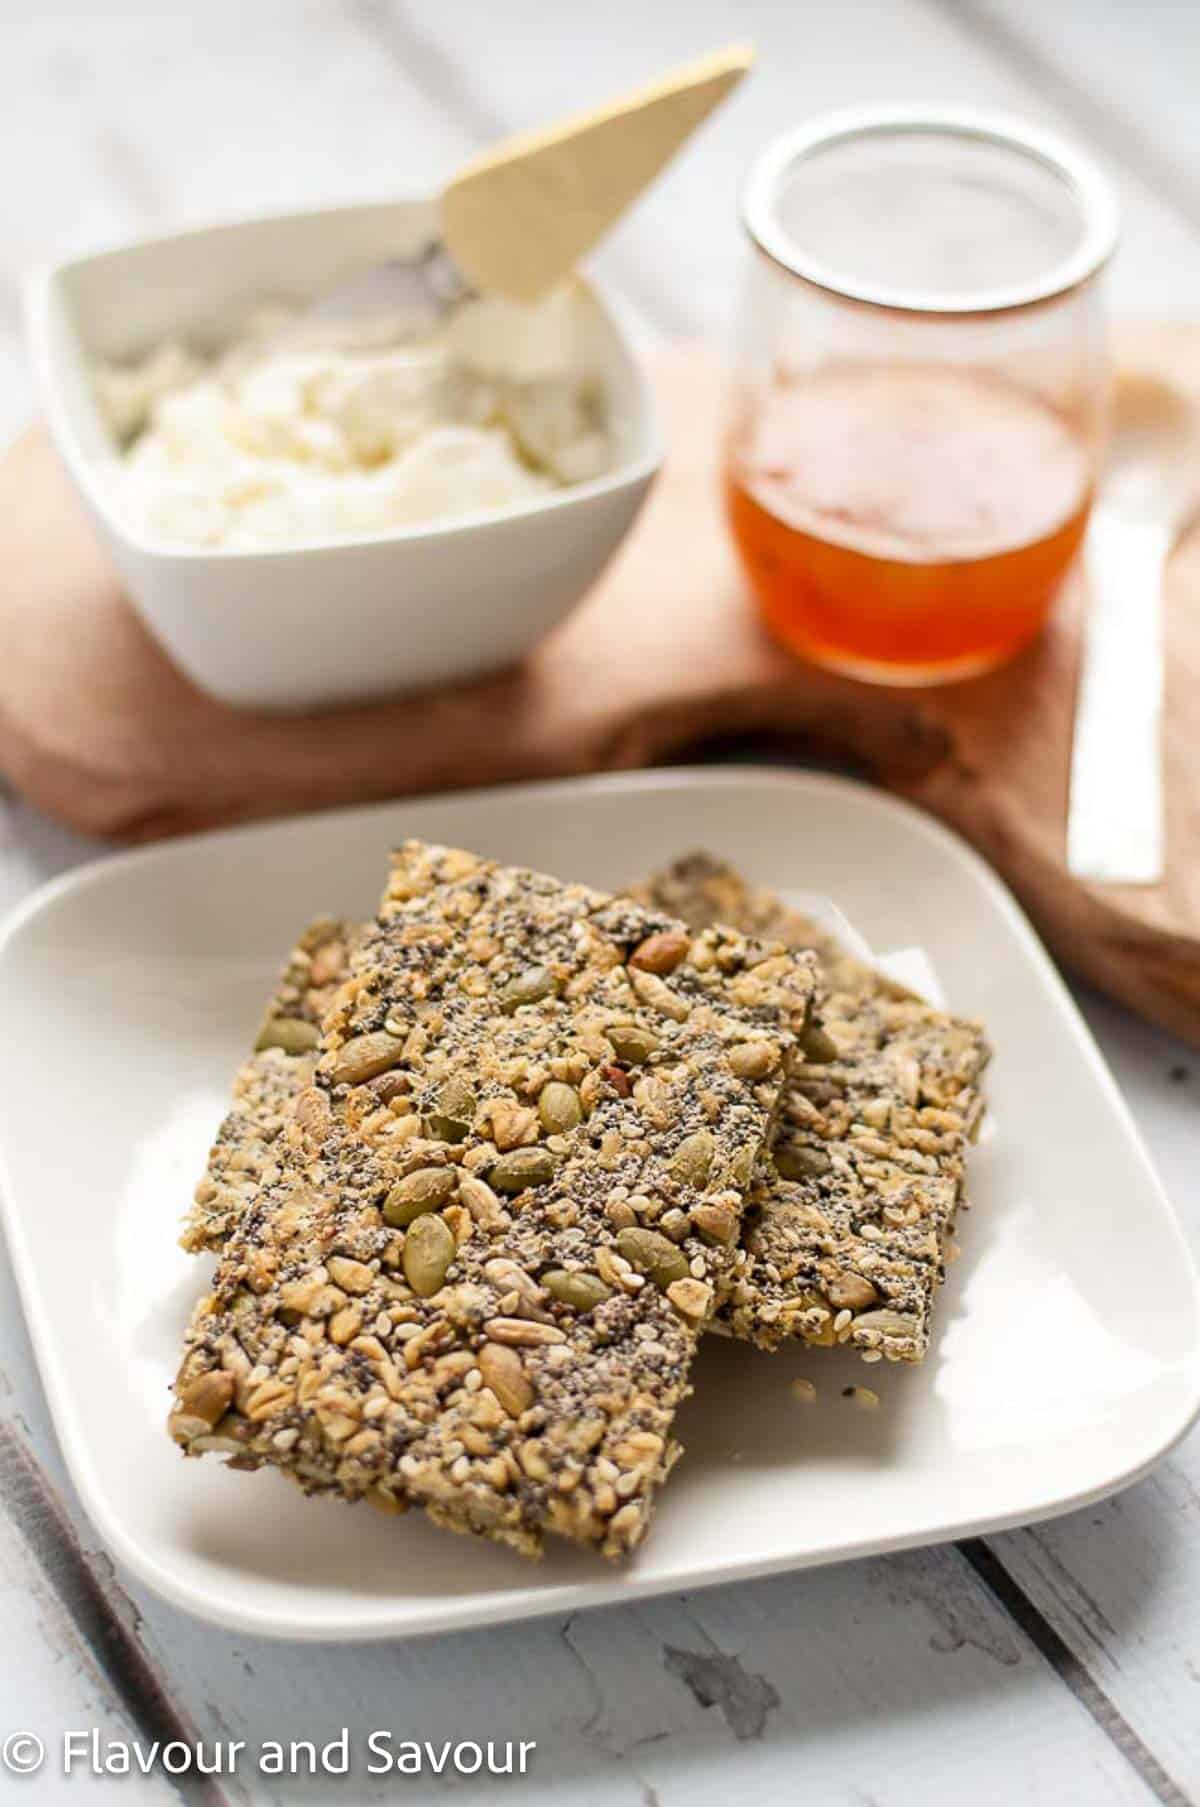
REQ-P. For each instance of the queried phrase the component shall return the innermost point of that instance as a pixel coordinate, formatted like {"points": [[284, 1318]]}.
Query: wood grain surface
{"points": [[1051, 1665], [97, 726]]}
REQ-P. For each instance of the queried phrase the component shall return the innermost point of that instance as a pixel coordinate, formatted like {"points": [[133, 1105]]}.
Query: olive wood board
{"points": [[98, 728]]}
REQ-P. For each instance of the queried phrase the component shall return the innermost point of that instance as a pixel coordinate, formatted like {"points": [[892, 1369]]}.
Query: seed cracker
{"points": [[847, 1229], [502, 1210], [245, 1155]]}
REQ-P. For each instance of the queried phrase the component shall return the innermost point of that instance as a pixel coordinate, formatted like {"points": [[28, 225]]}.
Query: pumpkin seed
{"points": [[798, 1163], [692, 1160], [583, 1291], [653, 1255], [818, 1045], [365, 1056], [523, 1168], [425, 1190], [291, 1033], [528, 987], [715, 1223], [631, 1043], [429, 1248], [559, 1108]]}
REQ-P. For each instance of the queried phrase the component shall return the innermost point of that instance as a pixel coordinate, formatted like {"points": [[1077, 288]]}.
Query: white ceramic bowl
{"points": [[327, 622]]}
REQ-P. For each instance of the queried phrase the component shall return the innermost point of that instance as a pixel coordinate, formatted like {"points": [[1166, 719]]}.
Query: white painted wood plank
{"points": [[175, 155], [862, 1715], [1120, 1582], [872, 1664], [149, 117], [157, 118], [34, 849], [49, 1683], [1137, 64], [684, 238], [146, 118], [836, 1685]]}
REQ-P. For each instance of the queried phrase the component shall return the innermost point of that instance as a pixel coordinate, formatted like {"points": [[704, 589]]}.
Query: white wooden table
{"points": [[1054, 1665]]}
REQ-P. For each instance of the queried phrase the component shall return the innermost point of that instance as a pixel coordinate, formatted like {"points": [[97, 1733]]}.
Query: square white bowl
{"points": [[1066, 1356], [333, 622]]}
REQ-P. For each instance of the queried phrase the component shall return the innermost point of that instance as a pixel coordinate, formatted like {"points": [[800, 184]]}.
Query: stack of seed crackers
{"points": [[503, 1154]]}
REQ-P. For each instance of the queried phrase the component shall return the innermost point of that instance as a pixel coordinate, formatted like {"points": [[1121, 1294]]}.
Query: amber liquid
{"points": [[907, 522]]}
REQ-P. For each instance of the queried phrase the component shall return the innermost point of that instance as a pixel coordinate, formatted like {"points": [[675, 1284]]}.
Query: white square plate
{"points": [[1066, 1358]]}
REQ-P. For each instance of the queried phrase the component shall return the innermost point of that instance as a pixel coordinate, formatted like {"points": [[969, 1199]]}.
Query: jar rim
{"points": [[1091, 190]]}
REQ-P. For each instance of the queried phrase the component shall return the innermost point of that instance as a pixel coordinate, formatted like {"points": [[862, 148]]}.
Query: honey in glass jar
{"points": [[909, 471]]}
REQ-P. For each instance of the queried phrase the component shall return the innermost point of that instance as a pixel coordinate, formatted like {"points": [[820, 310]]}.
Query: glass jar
{"points": [[920, 387]]}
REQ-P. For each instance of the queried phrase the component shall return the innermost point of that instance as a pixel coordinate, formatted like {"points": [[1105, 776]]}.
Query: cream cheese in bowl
{"points": [[382, 516], [273, 441]]}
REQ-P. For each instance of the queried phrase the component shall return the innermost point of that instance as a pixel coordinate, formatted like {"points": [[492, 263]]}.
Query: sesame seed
{"points": [[803, 1390], [862, 1397], [872, 1355], [843, 1318]]}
